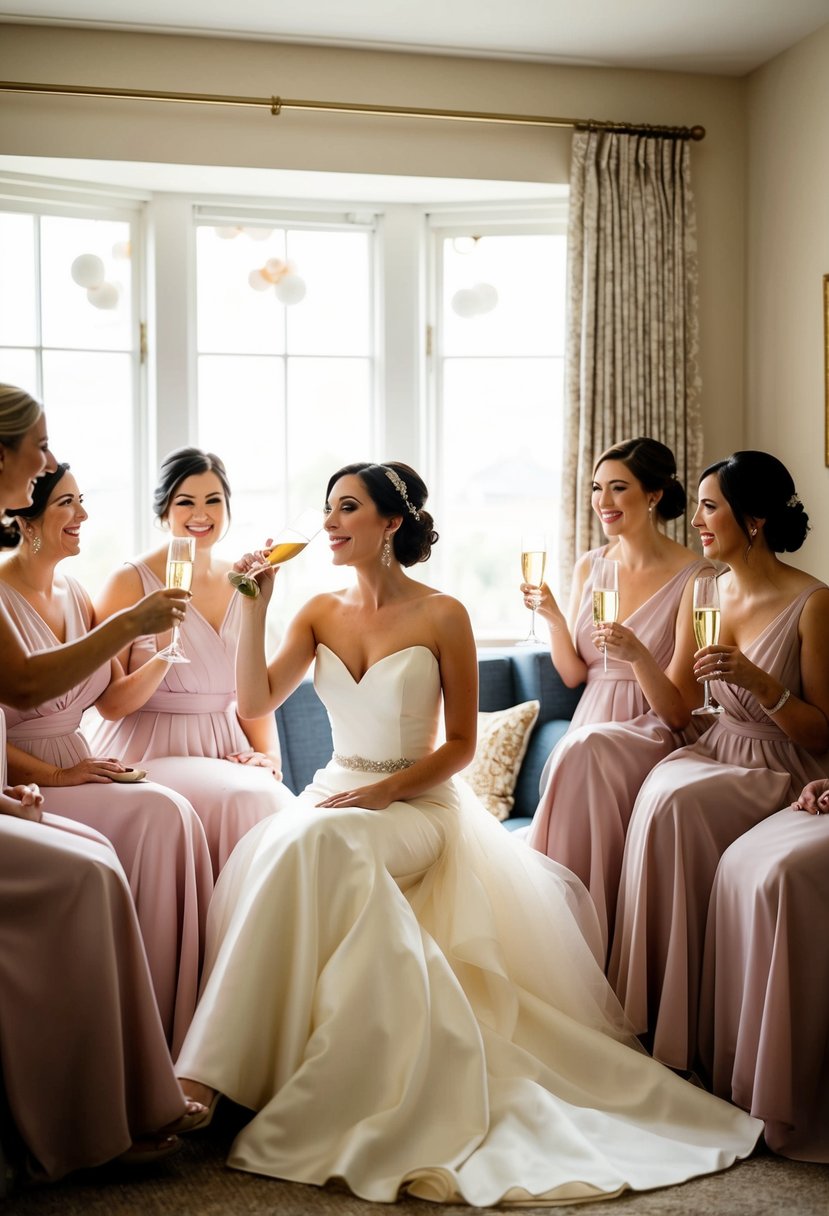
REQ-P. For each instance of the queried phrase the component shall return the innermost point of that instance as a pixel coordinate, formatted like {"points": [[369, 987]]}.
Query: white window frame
{"points": [[43, 197]]}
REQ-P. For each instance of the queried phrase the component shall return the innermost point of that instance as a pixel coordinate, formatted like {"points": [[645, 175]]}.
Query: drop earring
{"points": [[36, 544], [385, 556]]}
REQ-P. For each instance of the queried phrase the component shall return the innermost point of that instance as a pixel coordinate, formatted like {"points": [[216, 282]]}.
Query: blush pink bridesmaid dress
{"points": [[590, 782], [85, 1065], [764, 1013], [189, 725], [694, 805], [154, 830]]}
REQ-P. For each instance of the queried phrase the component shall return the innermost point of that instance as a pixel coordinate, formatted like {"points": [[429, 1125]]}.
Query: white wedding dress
{"points": [[407, 998]]}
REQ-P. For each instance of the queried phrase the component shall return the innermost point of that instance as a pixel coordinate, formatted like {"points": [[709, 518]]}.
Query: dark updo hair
{"points": [[654, 466], [759, 486], [413, 540], [41, 492], [180, 464]]}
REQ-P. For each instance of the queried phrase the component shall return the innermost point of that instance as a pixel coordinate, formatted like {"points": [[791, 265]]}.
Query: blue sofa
{"points": [[506, 677]]}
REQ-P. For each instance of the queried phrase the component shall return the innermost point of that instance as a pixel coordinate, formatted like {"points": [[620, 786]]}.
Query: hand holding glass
{"points": [[290, 541], [605, 595], [180, 557], [533, 562], [706, 628]]}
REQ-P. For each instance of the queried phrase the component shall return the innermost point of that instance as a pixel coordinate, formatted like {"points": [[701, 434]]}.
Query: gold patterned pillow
{"points": [[503, 737]]}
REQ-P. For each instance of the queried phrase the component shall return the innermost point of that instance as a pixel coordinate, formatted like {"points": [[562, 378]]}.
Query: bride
{"points": [[406, 997]]}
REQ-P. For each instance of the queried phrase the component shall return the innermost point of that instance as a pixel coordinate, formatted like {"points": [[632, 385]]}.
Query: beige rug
{"points": [[197, 1181]]}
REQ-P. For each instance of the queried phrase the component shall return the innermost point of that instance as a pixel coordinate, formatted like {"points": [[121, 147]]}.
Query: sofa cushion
{"points": [[544, 738], [304, 735], [503, 736]]}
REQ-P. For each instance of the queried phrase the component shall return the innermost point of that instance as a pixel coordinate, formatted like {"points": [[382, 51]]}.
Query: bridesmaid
{"points": [[633, 715], [88, 1077], [764, 1013], [772, 668], [156, 833], [188, 731]]}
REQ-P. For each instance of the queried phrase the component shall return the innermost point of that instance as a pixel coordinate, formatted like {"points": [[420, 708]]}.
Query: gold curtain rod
{"points": [[276, 105]]}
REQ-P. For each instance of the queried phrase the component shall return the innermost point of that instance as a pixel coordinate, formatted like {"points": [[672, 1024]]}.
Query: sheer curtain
{"points": [[633, 335]]}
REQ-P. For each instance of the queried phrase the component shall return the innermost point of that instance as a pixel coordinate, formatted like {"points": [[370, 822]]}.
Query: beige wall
{"points": [[119, 130], [788, 254]]}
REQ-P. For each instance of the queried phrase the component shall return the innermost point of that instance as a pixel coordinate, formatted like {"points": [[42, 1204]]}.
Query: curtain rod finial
{"points": [[697, 133]]}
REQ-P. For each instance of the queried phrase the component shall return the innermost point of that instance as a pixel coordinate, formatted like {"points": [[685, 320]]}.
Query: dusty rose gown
{"points": [[154, 830], [690, 809], [85, 1066], [590, 782], [189, 725], [764, 1014]]}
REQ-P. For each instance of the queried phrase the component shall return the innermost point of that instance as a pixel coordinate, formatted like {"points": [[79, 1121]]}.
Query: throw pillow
{"points": [[503, 737]]}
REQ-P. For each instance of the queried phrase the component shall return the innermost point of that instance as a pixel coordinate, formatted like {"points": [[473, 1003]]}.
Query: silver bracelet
{"points": [[778, 705]]}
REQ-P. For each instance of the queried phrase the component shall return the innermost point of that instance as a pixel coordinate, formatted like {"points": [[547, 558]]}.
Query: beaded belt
{"points": [[363, 765]]}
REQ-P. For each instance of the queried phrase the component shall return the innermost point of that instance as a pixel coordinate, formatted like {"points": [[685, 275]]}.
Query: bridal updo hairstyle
{"points": [[654, 467], [759, 486], [176, 467], [18, 414], [413, 540], [41, 493]]}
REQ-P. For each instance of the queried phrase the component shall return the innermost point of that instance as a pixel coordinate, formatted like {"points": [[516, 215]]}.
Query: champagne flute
{"points": [[706, 628], [180, 557], [533, 561], [289, 542], [605, 595]]}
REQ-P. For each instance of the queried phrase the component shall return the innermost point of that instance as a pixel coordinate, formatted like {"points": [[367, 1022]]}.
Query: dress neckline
{"points": [[686, 570], [191, 607], [376, 663]]}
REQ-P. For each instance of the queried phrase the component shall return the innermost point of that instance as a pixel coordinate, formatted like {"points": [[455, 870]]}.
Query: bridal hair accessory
{"points": [[794, 501], [400, 485], [385, 556]]}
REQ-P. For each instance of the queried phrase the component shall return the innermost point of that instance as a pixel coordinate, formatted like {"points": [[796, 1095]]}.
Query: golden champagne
{"points": [[180, 575], [605, 606], [532, 566], [706, 626], [285, 551]]}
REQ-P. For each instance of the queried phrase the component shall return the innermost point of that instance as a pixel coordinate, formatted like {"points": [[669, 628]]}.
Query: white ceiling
{"points": [[725, 37]]}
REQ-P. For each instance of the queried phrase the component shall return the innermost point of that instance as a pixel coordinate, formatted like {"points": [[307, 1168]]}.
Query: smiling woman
{"points": [[771, 667], [186, 731]]}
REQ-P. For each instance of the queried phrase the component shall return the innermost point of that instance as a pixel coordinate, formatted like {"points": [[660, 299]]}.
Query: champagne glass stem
{"points": [[604, 656]]}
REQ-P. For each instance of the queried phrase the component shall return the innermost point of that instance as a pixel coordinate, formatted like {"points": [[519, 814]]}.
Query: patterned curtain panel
{"points": [[633, 336]]}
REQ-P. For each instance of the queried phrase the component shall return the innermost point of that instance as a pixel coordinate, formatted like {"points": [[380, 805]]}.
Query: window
{"points": [[68, 335], [291, 339], [498, 379], [286, 369]]}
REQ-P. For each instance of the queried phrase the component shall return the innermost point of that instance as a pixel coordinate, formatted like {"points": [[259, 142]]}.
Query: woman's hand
{"points": [[159, 611], [265, 578], [814, 798], [619, 641], [89, 771], [22, 802], [257, 760], [729, 664], [369, 797], [542, 599]]}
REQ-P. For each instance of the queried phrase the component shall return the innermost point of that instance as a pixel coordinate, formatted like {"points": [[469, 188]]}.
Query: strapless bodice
{"points": [[391, 713]]}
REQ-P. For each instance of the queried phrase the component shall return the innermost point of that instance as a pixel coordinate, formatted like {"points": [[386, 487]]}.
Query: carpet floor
{"points": [[197, 1181]]}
